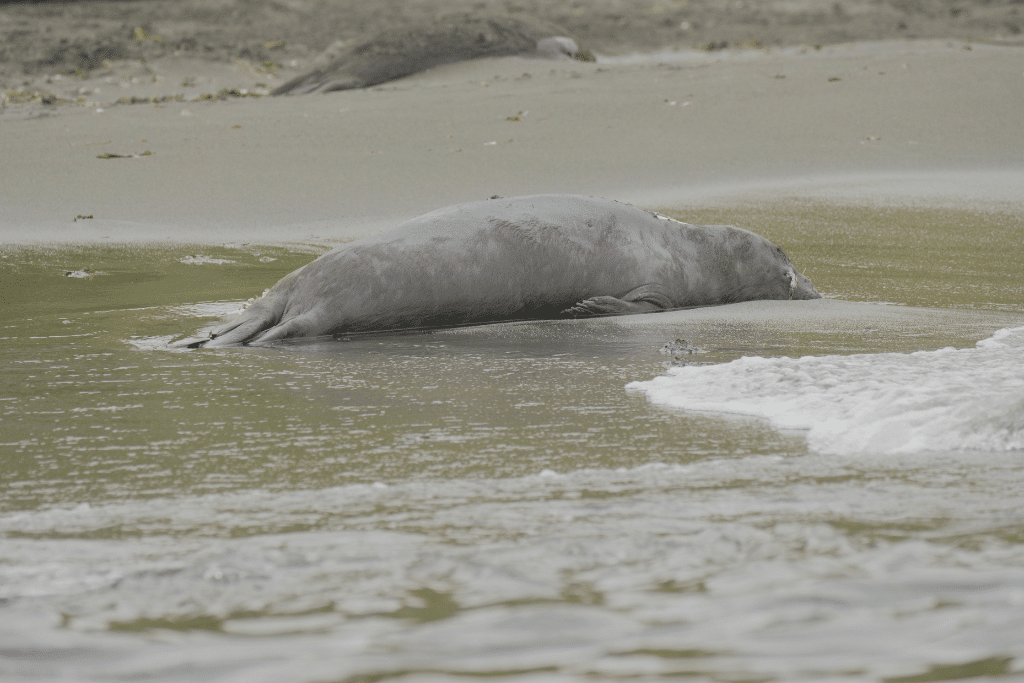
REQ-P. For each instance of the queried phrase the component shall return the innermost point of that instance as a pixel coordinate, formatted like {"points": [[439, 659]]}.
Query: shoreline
{"points": [[976, 191]]}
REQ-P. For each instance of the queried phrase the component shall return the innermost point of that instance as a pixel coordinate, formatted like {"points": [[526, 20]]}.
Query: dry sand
{"points": [[937, 119]]}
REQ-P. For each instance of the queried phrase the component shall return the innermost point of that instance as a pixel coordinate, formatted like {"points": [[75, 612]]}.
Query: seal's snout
{"points": [[800, 287], [561, 47]]}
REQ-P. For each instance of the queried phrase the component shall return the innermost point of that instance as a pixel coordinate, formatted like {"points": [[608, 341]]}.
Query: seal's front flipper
{"points": [[645, 299], [607, 305]]}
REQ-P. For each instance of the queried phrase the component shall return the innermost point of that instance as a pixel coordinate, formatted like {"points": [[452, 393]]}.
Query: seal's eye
{"points": [[792, 282]]}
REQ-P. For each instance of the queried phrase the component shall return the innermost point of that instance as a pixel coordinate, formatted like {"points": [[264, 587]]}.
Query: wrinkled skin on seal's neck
{"points": [[757, 261]]}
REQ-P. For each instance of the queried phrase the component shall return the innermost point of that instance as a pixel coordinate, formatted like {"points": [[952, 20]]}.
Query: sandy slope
{"points": [[661, 132], [671, 128]]}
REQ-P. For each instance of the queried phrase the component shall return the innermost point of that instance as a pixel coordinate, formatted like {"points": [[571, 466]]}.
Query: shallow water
{"points": [[493, 500]]}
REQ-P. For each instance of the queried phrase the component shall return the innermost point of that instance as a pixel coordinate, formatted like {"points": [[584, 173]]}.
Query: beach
{"points": [[662, 130], [770, 490]]}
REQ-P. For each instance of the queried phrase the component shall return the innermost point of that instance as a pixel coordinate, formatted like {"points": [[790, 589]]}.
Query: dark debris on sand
{"points": [[78, 37]]}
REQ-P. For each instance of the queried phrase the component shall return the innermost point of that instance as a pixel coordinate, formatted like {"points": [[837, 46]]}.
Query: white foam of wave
{"points": [[950, 399]]}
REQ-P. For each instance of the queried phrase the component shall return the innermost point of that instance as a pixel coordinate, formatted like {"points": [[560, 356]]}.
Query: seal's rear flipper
{"points": [[644, 299], [246, 327], [295, 327], [188, 343], [245, 331]]}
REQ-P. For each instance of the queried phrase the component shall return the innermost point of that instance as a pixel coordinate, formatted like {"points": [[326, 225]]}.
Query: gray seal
{"points": [[522, 258], [403, 52]]}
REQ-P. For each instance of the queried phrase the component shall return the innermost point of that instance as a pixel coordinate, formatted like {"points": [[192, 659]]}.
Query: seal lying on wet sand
{"points": [[396, 54], [537, 257]]}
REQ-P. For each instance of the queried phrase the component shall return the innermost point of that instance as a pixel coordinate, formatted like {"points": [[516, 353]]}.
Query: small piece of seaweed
{"points": [[112, 155]]}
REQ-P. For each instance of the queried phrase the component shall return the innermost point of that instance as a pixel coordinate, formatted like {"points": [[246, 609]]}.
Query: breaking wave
{"points": [[950, 399]]}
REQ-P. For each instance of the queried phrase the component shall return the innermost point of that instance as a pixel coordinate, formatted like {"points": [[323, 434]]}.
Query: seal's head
{"points": [[779, 270], [765, 270]]}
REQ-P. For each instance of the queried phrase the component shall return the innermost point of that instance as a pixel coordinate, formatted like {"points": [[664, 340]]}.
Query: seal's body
{"points": [[399, 53], [536, 257]]}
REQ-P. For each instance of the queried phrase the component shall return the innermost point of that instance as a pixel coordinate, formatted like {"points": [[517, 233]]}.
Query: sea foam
{"points": [[950, 399]]}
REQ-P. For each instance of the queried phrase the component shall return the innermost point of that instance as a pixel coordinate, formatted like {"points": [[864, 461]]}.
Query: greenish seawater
{"points": [[95, 408], [492, 501]]}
